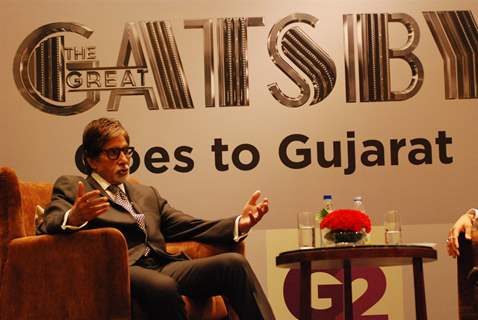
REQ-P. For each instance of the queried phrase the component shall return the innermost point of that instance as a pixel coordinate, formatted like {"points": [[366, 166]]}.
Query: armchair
{"points": [[83, 275], [467, 272]]}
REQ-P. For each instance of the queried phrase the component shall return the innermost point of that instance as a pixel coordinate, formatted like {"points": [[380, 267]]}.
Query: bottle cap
{"points": [[327, 197], [358, 198]]}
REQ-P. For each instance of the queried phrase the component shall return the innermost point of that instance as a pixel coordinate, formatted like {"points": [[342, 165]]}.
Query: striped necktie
{"points": [[120, 198]]}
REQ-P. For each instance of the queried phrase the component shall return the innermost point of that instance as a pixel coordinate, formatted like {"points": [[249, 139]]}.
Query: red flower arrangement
{"points": [[346, 220]]}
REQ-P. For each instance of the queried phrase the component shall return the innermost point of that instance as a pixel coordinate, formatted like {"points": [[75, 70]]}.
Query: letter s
{"points": [[306, 55]]}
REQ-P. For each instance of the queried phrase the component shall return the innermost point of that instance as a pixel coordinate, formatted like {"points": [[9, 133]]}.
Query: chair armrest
{"points": [[82, 275], [473, 276], [196, 249]]}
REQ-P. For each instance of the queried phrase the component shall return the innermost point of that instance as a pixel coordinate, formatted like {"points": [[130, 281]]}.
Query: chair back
{"points": [[17, 208], [467, 274]]}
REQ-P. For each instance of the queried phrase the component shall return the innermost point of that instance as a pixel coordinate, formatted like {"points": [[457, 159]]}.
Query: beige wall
{"points": [[41, 146]]}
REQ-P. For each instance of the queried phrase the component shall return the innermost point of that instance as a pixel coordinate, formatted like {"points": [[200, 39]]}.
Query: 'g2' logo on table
{"points": [[376, 285]]}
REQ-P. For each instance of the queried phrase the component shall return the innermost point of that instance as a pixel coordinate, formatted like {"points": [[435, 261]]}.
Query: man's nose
{"points": [[123, 158]]}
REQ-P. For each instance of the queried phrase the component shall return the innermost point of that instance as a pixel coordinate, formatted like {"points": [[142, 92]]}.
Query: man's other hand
{"points": [[87, 206], [253, 212]]}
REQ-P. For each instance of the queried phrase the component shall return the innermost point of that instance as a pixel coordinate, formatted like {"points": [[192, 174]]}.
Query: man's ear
{"points": [[90, 162]]}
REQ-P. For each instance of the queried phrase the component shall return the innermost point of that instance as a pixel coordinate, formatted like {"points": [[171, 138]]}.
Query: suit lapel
{"points": [[133, 197], [136, 197]]}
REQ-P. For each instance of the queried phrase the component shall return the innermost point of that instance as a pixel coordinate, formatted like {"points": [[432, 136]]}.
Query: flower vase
{"points": [[324, 242], [345, 237]]}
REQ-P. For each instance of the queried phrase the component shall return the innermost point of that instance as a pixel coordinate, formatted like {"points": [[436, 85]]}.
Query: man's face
{"points": [[113, 171]]}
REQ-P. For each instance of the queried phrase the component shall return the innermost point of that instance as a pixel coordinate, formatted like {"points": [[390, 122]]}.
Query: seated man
{"points": [[158, 279], [463, 224]]}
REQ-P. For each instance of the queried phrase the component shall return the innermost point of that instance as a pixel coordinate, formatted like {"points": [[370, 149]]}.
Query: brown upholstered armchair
{"points": [[467, 267], [83, 275]]}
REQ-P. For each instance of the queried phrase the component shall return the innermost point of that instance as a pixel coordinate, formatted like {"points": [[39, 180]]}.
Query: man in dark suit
{"points": [[158, 279]]}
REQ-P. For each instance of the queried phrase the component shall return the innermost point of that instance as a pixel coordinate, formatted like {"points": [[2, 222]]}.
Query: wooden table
{"points": [[345, 257]]}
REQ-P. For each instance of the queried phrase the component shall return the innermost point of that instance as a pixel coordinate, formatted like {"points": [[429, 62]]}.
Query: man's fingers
{"points": [[262, 209], [95, 199], [455, 245], [90, 204], [455, 251], [452, 240], [99, 203], [81, 189], [451, 246], [94, 208], [91, 195], [451, 252], [254, 197], [100, 209], [252, 218]]}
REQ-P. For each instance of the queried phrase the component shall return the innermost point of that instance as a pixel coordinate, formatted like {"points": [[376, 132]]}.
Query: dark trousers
{"points": [[158, 288]]}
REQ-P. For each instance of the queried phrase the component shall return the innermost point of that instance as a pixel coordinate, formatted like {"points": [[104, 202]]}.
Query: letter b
{"points": [[369, 32]]}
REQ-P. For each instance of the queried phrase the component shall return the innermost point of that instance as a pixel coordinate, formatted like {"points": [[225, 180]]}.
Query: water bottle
{"points": [[327, 204], [326, 208], [358, 204]]}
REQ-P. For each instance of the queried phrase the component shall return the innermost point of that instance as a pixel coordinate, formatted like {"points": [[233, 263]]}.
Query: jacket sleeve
{"points": [[179, 226], [64, 194]]}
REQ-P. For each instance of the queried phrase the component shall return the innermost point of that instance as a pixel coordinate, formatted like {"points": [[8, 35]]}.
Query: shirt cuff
{"points": [[65, 226], [237, 236]]}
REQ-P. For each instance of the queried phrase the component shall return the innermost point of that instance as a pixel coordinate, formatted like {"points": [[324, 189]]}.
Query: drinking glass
{"points": [[393, 228], [306, 228]]}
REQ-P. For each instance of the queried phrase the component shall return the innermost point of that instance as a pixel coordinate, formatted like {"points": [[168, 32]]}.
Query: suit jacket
{"points": [[163, 222]]}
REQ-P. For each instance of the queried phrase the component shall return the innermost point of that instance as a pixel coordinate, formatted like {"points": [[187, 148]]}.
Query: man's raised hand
{"points": [[87, 206], [253, 212]]}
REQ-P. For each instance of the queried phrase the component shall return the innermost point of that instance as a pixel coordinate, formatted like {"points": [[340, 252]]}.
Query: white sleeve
{"points": [[238, 237], [65, 226]]}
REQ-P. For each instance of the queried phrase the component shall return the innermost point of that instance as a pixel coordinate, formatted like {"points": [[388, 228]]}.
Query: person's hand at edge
{"points": [[463, 224]]}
